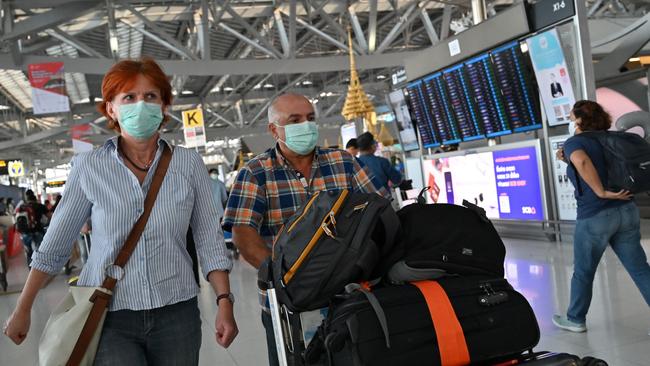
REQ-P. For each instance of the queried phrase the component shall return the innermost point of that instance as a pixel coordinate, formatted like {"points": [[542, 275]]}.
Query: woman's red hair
{"points": [[121, 78]]}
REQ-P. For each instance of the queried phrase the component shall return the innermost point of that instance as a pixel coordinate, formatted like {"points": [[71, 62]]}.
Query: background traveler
{"points": [[604, 217], [219, 192], [31, 219], [380, 167], [352, 147]]}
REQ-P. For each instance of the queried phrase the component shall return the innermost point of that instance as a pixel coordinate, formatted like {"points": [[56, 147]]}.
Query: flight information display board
{"points": [[461, 103], [420, 110], [490, 108], [490, 95], [515, 85], [443, 119]]}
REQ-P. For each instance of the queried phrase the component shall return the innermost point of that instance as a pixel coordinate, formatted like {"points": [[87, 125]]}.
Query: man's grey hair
{"points": [[272, 114]]}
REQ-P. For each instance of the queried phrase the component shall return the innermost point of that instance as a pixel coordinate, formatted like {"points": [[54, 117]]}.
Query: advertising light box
{"points": [[505, 181]]}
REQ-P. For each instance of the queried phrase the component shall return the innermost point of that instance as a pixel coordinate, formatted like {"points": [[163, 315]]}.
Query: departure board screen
{"points": [[489, 106], [423, 116], [516, 89], [489, 95], [443, 120], [461, 103]]}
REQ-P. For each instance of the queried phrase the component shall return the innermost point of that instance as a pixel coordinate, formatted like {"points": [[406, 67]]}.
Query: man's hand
{"points": [[225, 325]]}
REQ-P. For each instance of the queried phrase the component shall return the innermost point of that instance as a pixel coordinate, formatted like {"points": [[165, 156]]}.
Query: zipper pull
{"points": [[491, 297], [357, 208]]}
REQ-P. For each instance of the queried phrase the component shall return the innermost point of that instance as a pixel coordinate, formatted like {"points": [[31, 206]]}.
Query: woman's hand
{"points": [[225, 325], [17, 326], [622, 195], [559, 154]]}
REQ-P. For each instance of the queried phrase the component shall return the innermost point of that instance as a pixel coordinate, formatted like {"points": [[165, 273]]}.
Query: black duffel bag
{"points": [[338, 237], [441, 239], [482, 320]]}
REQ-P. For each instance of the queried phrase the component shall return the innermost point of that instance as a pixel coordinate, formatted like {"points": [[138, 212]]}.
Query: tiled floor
{"points": [[618, 322]]}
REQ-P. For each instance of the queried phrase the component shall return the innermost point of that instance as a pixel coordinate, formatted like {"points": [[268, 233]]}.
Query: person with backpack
{"points": [[381, 169], [271, 187], [31, 218], [604, 217]]}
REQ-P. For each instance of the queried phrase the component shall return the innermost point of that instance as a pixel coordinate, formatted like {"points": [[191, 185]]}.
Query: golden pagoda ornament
{"points": [[357, 103]]}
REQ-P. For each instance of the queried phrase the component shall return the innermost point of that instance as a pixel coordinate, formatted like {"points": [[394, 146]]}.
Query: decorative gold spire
{"points": [[357, 103]]}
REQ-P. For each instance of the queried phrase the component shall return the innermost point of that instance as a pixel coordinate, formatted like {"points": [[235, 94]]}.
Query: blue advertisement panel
{"points": [[517, 182], [506, 183], [552, 76]]}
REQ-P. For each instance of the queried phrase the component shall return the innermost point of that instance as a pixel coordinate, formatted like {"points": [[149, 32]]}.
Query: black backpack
{"points": [[442, 239], [25, 218], [627, 157], [338, 237]]}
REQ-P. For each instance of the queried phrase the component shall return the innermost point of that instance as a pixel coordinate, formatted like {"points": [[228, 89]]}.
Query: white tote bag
{"points": [[64, 326]]}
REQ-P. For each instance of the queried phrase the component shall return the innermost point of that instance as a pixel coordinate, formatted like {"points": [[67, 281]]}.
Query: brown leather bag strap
{"points": [[100, 299]]}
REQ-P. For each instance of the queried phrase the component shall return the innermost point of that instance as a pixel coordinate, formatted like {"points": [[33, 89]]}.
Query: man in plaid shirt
{"points": [[271, 187]]}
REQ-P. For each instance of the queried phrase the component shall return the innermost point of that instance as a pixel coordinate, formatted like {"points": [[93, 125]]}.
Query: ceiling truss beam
{"points": [[358, 31], [251, 30], [405, 19], [158, 34], [72, 41], [372, 26], [49, 19]]}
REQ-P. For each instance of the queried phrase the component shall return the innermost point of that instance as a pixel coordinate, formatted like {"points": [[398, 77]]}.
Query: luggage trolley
{"points": [[292, 330]]}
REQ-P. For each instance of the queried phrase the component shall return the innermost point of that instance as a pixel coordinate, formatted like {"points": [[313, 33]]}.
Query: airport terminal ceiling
{"points": [[229, 57]]}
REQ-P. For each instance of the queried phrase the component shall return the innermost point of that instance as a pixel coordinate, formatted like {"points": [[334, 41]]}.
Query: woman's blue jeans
{"points": [[166, 336], [620, 228]]}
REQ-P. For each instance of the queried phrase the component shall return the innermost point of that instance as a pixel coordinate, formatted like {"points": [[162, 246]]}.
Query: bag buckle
{"points": [[100, 294], [330, 220], [114, 271]]}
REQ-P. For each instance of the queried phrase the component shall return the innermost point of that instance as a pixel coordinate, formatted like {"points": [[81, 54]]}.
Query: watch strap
{"points": [[223, 296]]}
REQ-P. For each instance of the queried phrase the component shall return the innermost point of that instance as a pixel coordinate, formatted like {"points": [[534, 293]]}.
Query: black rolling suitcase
{"points": [[553, 359], [451, 321]]}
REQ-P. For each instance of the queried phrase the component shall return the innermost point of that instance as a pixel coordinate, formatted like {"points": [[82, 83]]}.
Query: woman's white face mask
{"points": [[572, 128]]}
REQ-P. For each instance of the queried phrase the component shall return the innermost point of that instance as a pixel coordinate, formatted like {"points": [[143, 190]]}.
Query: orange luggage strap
{"points": [[451, 339]]}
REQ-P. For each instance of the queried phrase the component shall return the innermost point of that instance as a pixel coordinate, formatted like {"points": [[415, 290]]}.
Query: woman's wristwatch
{"points": [[228, 296]]}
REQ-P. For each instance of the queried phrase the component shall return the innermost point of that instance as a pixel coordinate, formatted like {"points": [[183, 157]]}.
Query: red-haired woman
{"points": [[153, 317], [604, 217]]}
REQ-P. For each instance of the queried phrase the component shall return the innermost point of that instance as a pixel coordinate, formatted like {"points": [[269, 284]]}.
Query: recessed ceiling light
{"points": [[4, 107], [635, 59], [268, 85], [258, 86], [98, 99], [381, 77], [323, 94], [174, 92], [216, 89], [228, 89], [307, 82], [187, 92]]}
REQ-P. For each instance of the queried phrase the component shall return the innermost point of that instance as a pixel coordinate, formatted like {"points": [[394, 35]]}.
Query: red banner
{"points": [[48, 88]]}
